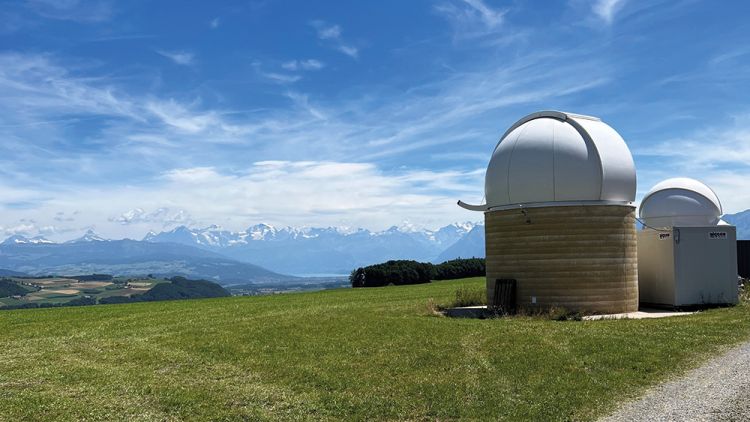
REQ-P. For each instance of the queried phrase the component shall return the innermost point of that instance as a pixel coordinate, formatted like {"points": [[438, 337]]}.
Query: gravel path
{"points": [[717, 391]]}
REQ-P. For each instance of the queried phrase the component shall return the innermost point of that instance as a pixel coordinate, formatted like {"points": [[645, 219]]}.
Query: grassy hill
{"points": [[27, 292], [339, 354]]}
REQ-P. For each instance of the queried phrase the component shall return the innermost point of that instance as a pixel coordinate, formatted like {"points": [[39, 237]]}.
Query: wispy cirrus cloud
{"points": [[717, 155], [276, 77], [73, 10], [432, 114], [471, 18], [183, 58], [606, 10], [164, 217], [277, 192], [280, 78], [307, 64], [332, 33], [166, 147]]}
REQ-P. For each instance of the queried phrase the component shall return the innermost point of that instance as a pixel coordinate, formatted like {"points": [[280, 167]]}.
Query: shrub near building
{"points": [[402, 272]]}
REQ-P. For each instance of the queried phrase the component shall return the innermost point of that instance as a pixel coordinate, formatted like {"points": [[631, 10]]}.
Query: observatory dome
{"points": [[554, 158], [680, 202]]}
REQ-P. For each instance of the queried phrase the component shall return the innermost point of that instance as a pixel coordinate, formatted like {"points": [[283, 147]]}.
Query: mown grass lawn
{"points": [[341, 354]]}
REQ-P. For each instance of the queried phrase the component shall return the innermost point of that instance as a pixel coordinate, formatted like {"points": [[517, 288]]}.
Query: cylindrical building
{"points": [[559, 216]]}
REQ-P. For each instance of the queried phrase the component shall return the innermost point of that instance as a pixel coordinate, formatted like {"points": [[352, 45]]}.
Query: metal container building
{"points": [[559, 216], [687, 256]]}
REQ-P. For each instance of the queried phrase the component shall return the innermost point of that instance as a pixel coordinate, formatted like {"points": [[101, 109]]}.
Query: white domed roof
{"points": [[680, 202], [555, 157]]}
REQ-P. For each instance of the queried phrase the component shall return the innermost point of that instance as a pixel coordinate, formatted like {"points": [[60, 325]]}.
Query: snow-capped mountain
{"points": [[470, 245], [307, 250], [301, 250], [19, 239], [129, 258], [89, 236]]}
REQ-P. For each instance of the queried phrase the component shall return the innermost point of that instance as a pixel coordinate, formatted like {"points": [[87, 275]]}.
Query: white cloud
{"points": [[183, 58], [214, 23], [178, 116], [275, 77], [37, 90], [718, 156], [472, 18], [165, 147], [708, 148], [299, 193], [303, 102], [91, 11], [332, 33], [23, 229], [350, 51], [33, 84], [163, 217], [192, 175], [280, 78], [607, 9], [490, 17], [308, 64]]}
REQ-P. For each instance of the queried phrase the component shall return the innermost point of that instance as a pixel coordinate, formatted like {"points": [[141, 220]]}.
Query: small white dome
{"points": [[680, 202], [558, 157]]}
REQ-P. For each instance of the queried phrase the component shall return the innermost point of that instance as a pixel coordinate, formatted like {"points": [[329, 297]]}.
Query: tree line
{"points": [[401, 272], [179, 288]]}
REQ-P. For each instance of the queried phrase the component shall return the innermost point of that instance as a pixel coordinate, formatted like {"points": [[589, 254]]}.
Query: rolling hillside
{"points": [[131, 258]]}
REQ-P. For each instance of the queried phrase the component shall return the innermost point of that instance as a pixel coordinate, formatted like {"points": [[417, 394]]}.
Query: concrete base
{"points": [[644, 313], [640, 314], [468, 312]]}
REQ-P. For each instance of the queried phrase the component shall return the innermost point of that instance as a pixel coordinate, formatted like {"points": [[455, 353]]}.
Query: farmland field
{"points": [[60, 290], [348, 354]]}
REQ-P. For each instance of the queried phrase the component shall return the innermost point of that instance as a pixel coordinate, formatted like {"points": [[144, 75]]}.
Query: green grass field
{"points": [[338, 354]]}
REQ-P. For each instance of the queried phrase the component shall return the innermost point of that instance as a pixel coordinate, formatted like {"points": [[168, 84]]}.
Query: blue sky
{"points": [[134, 116]]}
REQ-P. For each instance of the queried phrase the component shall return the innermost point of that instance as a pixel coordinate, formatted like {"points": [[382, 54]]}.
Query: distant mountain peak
{"points": [[18, 239], [261, 231], [741, 220], [407, 227], [40, 239], [89, 236], [323, 250]]}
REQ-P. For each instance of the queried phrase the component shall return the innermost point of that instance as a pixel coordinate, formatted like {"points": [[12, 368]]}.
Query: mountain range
{"points": [[741, 220], [260, 254], [129, 258], [319, 250]]}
